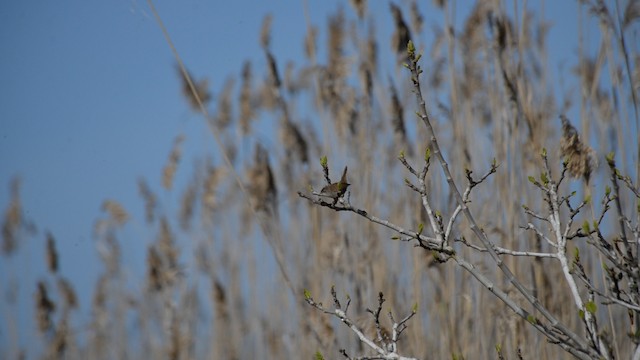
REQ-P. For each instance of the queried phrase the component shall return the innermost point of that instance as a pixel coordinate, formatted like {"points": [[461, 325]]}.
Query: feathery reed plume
{"points": [[366, 80], [219, 296], [290, 79], [155, 272], [265, 31], [173, 348], [310, 45], [100, 295], [162, 260], [579, 157], [224, 115], [472, 41], [269, 92], [166, 245], [187, 205], [171, 166], [188, 314], [336, 63], [60, 340], [116, 211], [368, 66], [274, 76], [604, 105], [220, 300], [109, 250], [209, 198], [262, 184], [149, 198], [397, 120], [371, 50], [269, 96], [294, 142], [247, 112], [52, 254], [332, 78], [68, 294], [203, 259], [360, 6], [631, 13], [44, 308], [417, 20], [231, 149], [13, 220], [438, 72], [402, 34], [100, 314], [201, 88], [586, 70]]}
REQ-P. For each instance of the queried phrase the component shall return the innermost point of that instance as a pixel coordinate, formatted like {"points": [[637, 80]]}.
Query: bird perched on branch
{"points": [[337, 189]]}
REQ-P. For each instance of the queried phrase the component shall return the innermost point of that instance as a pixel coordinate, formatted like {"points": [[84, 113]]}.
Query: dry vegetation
{"points": [[532, 255]]}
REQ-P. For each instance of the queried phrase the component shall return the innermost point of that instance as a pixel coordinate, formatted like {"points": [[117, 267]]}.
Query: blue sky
{"points": [[90, 101]]}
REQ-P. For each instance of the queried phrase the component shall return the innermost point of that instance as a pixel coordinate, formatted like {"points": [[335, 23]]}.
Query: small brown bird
{"points": [[337, 189]]}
